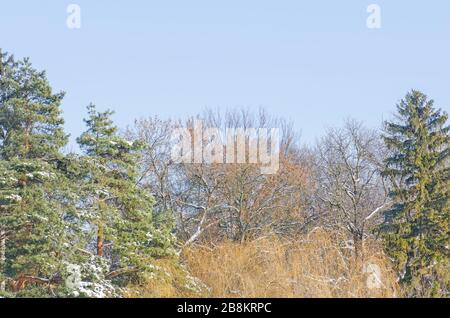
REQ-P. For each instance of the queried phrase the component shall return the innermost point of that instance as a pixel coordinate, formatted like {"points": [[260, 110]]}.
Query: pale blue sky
{"points": [[314, 62]]}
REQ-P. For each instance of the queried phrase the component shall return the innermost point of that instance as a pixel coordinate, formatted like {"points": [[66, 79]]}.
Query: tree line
{"points": [[91, 223]]}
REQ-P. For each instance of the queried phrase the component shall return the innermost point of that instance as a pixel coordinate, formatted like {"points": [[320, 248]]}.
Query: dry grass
{"points": [[314, 266]]}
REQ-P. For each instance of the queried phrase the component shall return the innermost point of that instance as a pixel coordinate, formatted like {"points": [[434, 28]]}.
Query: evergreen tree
{"points": [[119, 211], [36, 197], [417, 226]]}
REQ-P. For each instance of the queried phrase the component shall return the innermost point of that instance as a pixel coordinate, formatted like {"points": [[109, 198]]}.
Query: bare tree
{"points": [[224, 201], [350, 193], [253, 203]]}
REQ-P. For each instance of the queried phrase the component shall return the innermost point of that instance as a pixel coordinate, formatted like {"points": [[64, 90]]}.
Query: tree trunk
{"points": [[100, 239]]}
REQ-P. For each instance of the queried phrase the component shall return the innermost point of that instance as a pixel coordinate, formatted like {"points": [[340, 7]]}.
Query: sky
{"points": [[315, 63]]}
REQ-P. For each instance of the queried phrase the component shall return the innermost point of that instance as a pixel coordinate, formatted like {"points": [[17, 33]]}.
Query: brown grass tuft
{"points": [[317, 265]]}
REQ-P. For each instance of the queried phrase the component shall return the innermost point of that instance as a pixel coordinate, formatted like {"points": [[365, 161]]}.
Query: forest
{"points": [[361, 213]]}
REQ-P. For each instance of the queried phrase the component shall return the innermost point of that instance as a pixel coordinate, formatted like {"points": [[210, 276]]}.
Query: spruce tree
{"points": [[119, 211], [36, 199], [417, 227]]}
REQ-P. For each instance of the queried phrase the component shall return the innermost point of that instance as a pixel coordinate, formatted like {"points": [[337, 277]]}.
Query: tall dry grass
{"points": [[317, 265]]}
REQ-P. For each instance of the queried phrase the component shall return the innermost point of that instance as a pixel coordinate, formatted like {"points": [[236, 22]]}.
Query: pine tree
{"points": [[37, 204], [417, 227], [119, 211]]}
